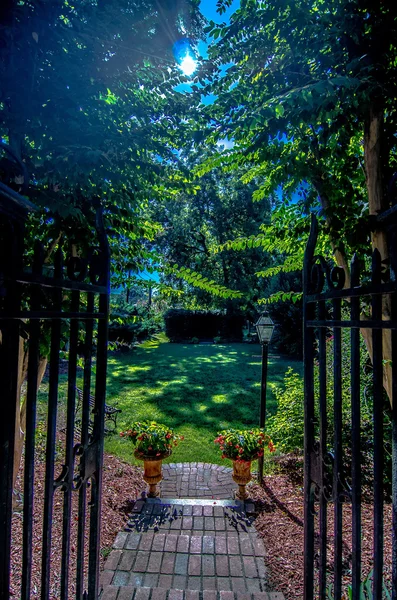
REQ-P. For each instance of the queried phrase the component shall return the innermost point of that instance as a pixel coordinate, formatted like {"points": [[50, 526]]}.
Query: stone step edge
{"points": [[247, 506], [121, 538], [192, 532], [187, 465], [235, 503], [111, 592]]}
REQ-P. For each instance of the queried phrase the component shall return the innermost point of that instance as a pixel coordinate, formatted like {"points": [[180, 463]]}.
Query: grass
{"points": [[195, 389]]}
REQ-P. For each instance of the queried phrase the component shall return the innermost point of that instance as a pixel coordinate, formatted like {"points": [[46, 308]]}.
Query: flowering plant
{"points": [[152, 439], [243, 444]]}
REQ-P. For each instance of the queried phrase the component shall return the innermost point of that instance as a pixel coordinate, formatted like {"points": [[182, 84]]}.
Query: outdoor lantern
{"points": [[264, 327]]}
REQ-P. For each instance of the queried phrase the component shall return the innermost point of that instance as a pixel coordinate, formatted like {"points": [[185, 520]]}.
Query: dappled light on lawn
{"points": [[195, 389]]}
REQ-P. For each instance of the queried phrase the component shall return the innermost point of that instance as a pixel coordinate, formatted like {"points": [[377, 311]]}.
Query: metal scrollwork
{"points": [[82, 470], [322, 477], [322, 272], [96, 273], [77, 268], [316, 279], [62, 480]]}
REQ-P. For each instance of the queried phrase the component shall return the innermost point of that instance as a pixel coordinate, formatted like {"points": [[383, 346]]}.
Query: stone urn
{"points": [[242, 476], [152, 473]]}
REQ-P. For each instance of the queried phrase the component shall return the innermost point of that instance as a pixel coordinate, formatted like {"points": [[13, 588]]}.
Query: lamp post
{"points": [[264, 327]]}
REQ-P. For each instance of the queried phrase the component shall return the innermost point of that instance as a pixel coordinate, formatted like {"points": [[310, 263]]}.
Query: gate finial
{"points": [[309, 253]]}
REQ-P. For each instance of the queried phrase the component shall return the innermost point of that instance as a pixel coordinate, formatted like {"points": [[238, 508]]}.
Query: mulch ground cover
{"points": [[280, 525], [122, 484]]}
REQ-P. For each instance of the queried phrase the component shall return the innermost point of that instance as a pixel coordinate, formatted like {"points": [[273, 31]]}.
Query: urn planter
{"points": [[152, 472], [242, 476]]}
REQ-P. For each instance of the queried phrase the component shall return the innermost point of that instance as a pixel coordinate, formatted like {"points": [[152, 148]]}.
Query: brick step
{"points": [[194, 480], [189, 518], [230, 543], [187, 561], [113, 592]]}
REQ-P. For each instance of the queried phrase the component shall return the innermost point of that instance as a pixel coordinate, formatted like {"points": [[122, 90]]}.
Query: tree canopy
{"points": [[87, 100], [305, 82]]}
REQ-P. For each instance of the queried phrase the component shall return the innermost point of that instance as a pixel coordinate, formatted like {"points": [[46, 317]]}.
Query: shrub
{"points": [[286, 427], [182, 325], [130, 323]]}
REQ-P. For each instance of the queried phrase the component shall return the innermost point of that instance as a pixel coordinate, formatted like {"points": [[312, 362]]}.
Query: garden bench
{"points": [[111, 412]]}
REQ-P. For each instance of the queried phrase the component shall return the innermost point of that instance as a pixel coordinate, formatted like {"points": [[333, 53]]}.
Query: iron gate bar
{"points": [[13, 205], [13, 241], [365, 290], [308, 366], [392, 239], [377, 364], [13, 212], [85, 419], [69, 449], [337, 489], [99, 424], [356, 432], [30, 434], [357, 324], [322, 357], [44, 281], [54, 314], [15, 285], [316, 276], [51, 434]]}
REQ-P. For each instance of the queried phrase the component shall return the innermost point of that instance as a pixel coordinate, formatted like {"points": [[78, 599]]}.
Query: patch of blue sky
{"points": [[146, 276], [208, 9]]}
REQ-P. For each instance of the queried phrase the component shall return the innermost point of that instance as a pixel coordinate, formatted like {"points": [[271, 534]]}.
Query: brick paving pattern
{"points": [[193, 544], [197, 480], [200, 551]]}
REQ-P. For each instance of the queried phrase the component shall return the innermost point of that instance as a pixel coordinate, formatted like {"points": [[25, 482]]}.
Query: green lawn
{"points": [[196, 389]]}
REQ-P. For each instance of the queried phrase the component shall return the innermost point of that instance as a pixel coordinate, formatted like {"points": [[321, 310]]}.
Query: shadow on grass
{"points": [[212, 386]]}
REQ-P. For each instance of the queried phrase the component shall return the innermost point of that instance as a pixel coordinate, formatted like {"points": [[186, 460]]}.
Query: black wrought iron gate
{"points": [[57, 307], [338, 460]]}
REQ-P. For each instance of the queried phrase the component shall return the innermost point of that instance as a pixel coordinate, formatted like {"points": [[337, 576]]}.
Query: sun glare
{"points": [[188, 64]]}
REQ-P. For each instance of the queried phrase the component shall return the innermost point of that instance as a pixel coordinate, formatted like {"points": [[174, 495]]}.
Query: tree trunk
{"points": [[339, 254], [20, 423], [377, 202]]}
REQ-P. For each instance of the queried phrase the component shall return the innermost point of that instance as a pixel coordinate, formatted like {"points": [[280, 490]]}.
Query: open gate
{"points": [[336, 461], [59, 307]]}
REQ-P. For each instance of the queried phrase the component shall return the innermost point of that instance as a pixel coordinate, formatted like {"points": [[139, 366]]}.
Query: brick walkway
{"points": [[197, 480], [187, 550]]}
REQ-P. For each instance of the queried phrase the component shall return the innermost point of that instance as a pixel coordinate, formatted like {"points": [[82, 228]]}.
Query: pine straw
{"points": [[122, 484], [280, 525]]}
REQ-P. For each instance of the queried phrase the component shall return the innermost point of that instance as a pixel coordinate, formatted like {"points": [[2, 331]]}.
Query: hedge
{"points": [[183, 325]]}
